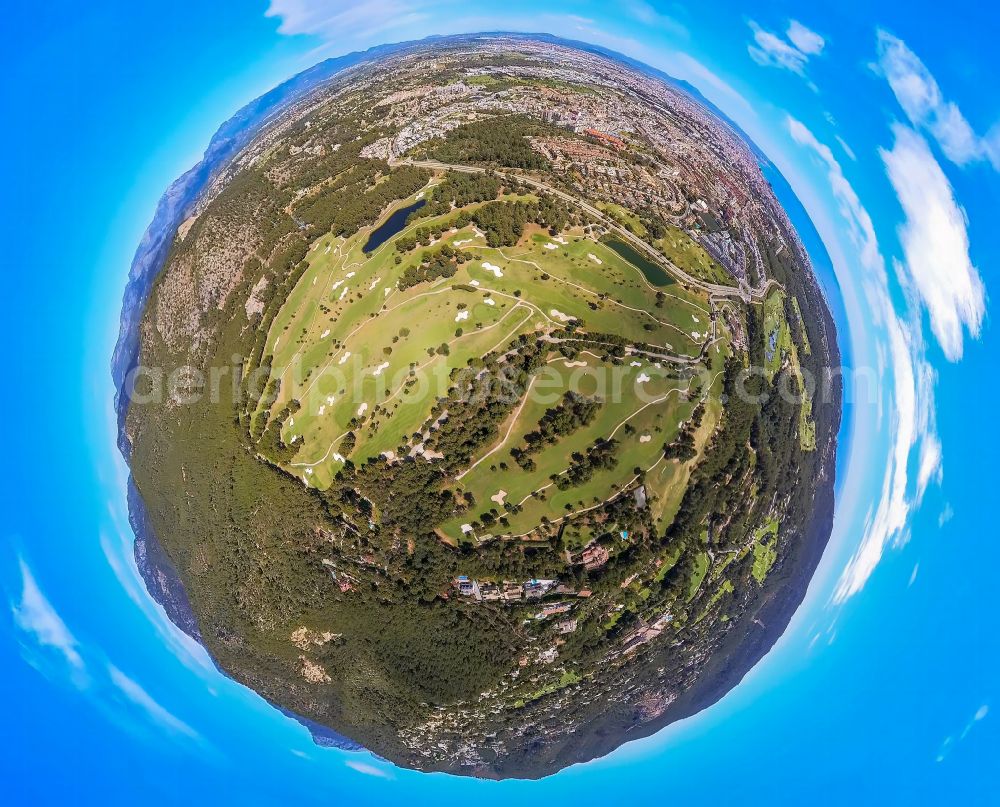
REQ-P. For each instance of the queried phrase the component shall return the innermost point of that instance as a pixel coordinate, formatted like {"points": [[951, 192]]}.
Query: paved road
{"points": [[715, 290]]}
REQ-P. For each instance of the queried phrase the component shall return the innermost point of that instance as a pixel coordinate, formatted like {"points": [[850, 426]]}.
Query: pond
{"points": [[654, 273], [392, 225]]}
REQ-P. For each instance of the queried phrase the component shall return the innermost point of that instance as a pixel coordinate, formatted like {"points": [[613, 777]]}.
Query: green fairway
{"points": [[651, 413], [701, 563], [626, 218], [777, 336], [668, 481], [780, 345], [367, 359], [764, 549], [689, 255]]}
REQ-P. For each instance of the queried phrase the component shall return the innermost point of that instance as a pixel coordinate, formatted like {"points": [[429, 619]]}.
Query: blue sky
{"points": [[884, 122]]}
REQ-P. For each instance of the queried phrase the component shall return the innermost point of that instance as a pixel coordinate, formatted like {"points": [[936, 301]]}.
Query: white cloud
{"points": [[156, 713], [847, 149], [682, 66], [950, 742], [804, 39], [923, 102], [35, 616], [368, 769], [345, 21], [861, 229], [930, 468], [935, 242], [911, 396], [770, 49], [646, 14], [947, 514]]}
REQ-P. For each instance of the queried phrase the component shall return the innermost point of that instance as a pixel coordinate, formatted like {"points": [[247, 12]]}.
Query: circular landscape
{"points": [[480, 416]]}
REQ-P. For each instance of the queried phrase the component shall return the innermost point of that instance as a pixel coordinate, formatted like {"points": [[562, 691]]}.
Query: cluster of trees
{"points": [[271, 443], [422, 236], [574, 412], [499, 141], [727, 458], [458, 190], [412, 496], [442, 262], [319, 210], [354, 200], [503, 222], [601, 456], [682, 448]]}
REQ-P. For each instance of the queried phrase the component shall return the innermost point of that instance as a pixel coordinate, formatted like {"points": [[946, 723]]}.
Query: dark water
{"points": [[654, 273], [392, 225]]}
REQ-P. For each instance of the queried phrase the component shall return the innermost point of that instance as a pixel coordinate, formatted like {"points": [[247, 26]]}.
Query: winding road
{"points": [[715, 291]]}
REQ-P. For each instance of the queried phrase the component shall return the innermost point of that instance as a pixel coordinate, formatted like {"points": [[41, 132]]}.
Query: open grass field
{"points": [[701, 564], [777, 335], [667, 482], [779, 344], [764, 549], [363, 356], [653, 413], [626, 218], [690, 256]]}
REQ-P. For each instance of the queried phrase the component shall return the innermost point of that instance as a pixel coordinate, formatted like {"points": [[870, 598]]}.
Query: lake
{"points": [[392, 225], [654, 273]]}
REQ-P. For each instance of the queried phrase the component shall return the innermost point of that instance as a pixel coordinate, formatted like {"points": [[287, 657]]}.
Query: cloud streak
{"points": [[789, 52], [949, 742], [647, 15], [149, 707], [368, 769], [919, 95], [911, 395], [36, 617], [935, 242]]}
